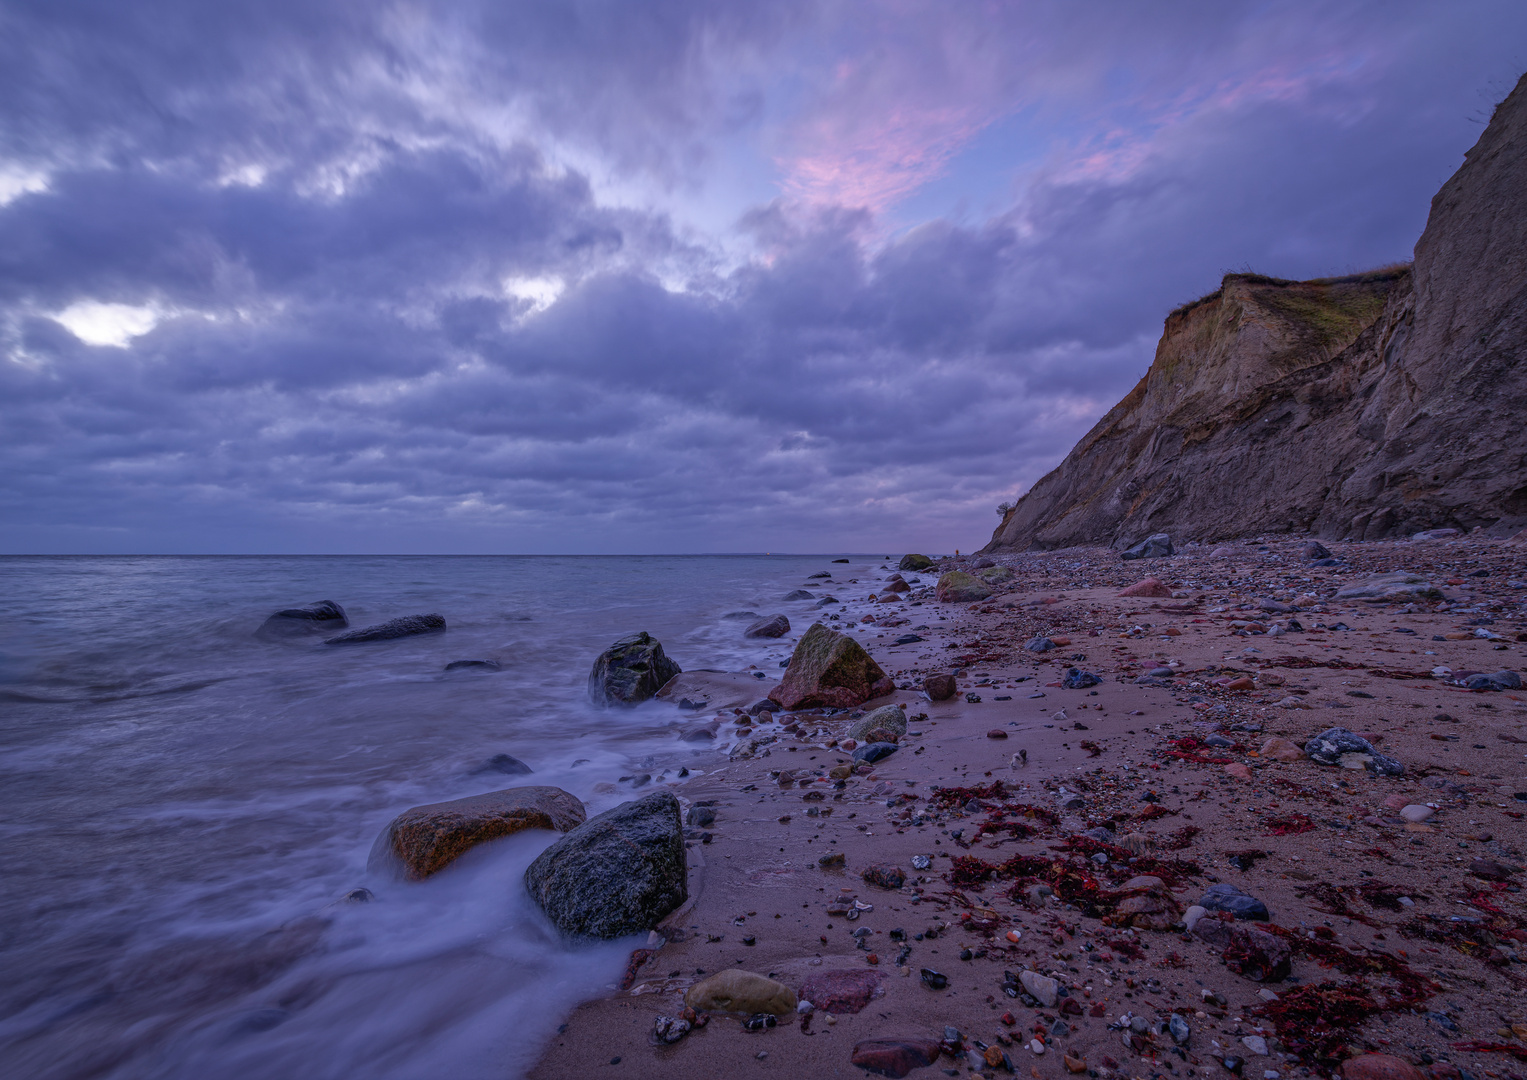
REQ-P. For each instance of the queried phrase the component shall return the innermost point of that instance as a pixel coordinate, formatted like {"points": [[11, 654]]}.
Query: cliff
{"points": [[1357, 407]]}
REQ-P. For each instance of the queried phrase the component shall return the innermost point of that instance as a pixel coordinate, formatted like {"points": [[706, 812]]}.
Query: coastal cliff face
{"points": [[1358, 407]]}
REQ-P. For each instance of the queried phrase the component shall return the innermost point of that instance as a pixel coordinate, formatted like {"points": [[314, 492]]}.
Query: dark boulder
{"points": [[799, 594], [407, 626], [507, 764], [1314, 550], [1152, 547], [875, 751], [940, 687], [616, 874], [322, 617], [1226, 897], [427, 838], [630, 671], [474, 665], [1338, 746], [772, 627], [914, 562]]}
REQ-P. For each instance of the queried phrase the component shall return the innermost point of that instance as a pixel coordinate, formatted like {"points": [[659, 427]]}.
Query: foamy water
{"points": [[184, 803]]}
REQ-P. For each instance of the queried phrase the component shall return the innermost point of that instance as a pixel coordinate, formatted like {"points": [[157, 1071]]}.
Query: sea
{"points": [[184, 806]]}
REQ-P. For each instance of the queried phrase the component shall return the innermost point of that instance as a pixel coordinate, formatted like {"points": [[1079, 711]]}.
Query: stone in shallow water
{"points": [[875, 752], [406, 626], [616, 874], [427, 838], [914, 562], [323, 616], [772, 627], [630, 671]]}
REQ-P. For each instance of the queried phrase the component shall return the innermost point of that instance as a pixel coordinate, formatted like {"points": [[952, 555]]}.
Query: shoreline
{"points": [[1121, 750]]}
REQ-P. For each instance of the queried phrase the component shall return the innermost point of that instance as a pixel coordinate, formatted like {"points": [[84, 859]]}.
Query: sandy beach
{"points": [[1392, 899]]}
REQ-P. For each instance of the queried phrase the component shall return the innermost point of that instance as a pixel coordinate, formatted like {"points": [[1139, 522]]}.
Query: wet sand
{"points": [[1326, 854]]}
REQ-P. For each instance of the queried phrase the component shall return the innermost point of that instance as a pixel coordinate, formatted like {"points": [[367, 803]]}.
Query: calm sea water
{"points": [[184, 803]]}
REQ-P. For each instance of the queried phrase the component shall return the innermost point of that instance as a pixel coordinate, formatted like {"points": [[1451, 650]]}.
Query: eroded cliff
{"points": [[1362, 407]]}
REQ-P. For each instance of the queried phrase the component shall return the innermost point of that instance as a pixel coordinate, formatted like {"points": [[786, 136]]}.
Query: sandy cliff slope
{"points": [[1359, 407]]}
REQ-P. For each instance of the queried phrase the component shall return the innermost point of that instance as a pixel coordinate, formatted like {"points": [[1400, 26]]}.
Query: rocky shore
{"points": [[1251, 810]]}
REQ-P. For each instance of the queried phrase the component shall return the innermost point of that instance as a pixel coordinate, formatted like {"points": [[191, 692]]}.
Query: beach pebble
{"points": [[1256, 1044], [1193, 914], [1040, 987], [1417, 812], [996, 733]]}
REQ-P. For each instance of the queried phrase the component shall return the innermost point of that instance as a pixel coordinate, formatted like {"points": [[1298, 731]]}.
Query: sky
{"points": [[606, 276]]}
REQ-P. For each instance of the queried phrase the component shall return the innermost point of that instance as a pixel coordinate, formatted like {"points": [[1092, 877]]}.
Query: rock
{"points": [[1103, 834], [1226, 897], [427, 838], [1042, 988], [1178, 1028], [884, 876], [1417, 812], [886, 718], [1154, 909], [895, 1057], [616, 874], [1039, 644], [1077, 679], [799, 594], [1155, 546], [1148, 587], [321, 617], [772, 627], [1380, 1067], [1192, 915], [1491, 870], [1390, 588], [873, 752], [1278, 748], [407, 626], [507, 764], [958, 587], [1500, 680], [630, 671], [1074, 1064], [1256, 1044], [1338, 746], [1259, 956], [914, 562], [1435, 534], [700, 817], [996, 733], [738, 991], [740, 615], [668, 1029], [996, 575], [940, 687], [1313, 550], [714, 690], [477, 665], [841, 992], [829, 669], [1239, 771]]}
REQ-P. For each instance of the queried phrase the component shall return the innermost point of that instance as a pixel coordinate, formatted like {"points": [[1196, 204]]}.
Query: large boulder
{"points": [[832, 670], [1391, 588], [427, 838], [1157, 546], [630, 671], [772, 627], [914, 562], [1338, 746], [321, 617], [958, 587], [616, 874], [406, 626]]}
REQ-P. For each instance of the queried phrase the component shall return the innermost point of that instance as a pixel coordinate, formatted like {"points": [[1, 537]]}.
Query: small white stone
{"points": [[1193, 914], [1037, 1046], [1256, 1044], [1417, 812]]}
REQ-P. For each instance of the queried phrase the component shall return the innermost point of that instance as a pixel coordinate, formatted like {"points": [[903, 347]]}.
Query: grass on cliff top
{"points": [[1382, 275]]}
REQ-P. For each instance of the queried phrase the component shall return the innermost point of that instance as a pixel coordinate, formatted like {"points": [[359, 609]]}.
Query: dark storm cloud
{"points": [[382, 311]]}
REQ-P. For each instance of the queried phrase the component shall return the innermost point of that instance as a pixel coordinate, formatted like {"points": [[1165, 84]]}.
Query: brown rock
{"points": [[1239, 771], [1148, 587], [1400, 383], [829, 669], [772, 627], [1380, 1067], [996, 733], [885, 877], [940, 687], [1491, 870], [1153, 910], [895, 1057], [1278, 748], [427, 838], [738, 991], [840, 992]]}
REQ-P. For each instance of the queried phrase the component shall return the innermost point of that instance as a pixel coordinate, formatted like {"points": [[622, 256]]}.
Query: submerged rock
{"points": [[832, 670], [406, 626], [630, 671], [478, 665], [958, 587], [427, 838], [616, 874], [772, 627], [323, 617]]}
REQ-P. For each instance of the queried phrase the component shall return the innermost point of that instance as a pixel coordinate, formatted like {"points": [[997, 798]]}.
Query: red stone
{"points": [[895, 1057], [1380, 1067], [940, 687], [1239, 771], [1148, 587], [840, 992]]}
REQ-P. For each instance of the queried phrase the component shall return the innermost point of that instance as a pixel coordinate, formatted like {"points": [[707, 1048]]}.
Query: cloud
{"points": [[349, 277]]}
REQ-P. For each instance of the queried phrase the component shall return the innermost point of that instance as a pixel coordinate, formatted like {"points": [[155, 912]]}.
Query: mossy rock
{"points": [[914, 562], [958, 587], [996, 575], [886, 718], [832, 670]]}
